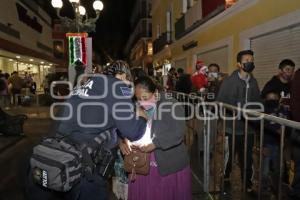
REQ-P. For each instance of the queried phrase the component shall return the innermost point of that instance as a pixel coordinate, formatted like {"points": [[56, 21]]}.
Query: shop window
{"points": [[150, 49]]}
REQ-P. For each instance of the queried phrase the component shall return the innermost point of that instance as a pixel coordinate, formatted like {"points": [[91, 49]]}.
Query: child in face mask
{"points": [[271, 162]]}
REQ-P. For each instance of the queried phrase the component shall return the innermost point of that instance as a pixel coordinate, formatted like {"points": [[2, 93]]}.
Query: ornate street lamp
{"points": [[82, 22]]}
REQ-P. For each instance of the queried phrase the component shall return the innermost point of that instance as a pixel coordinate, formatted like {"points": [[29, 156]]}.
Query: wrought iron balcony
{"points": [[161, 42]]}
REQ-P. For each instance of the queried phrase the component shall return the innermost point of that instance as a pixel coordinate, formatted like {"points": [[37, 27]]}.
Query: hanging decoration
{"points": [[77, 47]]}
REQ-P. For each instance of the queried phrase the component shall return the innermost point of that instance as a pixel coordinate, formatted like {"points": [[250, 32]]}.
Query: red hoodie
{"points": [[295, 97]]}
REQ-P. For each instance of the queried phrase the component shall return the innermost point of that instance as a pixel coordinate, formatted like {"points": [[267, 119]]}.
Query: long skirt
{"points": [[176, 186]]}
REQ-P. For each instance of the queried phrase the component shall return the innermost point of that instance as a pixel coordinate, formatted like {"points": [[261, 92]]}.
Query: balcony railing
{"points": [[193, 14], [161, 42], [197, 15], [182, 28]]}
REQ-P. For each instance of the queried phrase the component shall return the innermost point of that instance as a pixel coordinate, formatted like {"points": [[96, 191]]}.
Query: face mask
{"points": [[213, 74], [248, 67], [149, 104], [150, 112], [270, 105]]}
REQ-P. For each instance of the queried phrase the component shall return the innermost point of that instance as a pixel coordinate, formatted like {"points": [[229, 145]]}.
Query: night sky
{"points": [[113, 26]]}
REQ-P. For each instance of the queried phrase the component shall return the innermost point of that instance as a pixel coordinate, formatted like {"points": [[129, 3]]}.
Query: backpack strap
{"points": [[88, 164]]}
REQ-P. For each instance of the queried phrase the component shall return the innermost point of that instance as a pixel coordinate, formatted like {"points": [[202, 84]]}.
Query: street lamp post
{"points": [[82, 22]]}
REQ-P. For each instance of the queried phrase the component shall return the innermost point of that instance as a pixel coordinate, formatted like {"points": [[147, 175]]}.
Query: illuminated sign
{"points": [[77, 47]]}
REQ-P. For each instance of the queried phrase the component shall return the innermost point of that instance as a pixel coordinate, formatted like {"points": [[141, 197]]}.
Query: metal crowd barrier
{"points": [[207, 129]]}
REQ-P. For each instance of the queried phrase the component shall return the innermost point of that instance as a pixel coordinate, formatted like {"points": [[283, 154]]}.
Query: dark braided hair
{"points": [[118, 67]]}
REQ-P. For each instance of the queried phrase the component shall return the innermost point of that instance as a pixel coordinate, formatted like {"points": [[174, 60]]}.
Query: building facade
{"points": [[214, 31], [139, 46], [26, 43], [60, 46]]}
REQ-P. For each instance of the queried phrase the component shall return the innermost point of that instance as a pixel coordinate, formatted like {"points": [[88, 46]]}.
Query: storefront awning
{"points": [[21, 50]]}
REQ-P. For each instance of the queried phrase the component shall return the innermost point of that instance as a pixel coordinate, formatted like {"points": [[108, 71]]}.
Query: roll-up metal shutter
{"points": [[218, 56], [271, 48]]}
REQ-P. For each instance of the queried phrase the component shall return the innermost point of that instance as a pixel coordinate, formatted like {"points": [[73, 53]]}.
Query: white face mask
{"points": [[213, 74]]}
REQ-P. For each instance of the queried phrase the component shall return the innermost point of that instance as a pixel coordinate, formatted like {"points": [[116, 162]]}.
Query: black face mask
{"points": [[271, 105], [248, 67]]}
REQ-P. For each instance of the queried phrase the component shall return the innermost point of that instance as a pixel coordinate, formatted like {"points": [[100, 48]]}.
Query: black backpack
{"points": [[11, 125], [59, 162]]}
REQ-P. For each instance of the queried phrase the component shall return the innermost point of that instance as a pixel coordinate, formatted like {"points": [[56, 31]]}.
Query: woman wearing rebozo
{"points": [[169, 176]]}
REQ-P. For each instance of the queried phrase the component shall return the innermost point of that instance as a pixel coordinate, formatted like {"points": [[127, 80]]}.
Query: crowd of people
{"points": [[205, 79], [11, 86], [280, 97], [241, 87], [169, 175]]}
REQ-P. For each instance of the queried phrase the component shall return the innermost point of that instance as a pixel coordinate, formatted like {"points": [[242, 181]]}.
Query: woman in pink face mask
{"points": [[170, 175], [146, 99]]}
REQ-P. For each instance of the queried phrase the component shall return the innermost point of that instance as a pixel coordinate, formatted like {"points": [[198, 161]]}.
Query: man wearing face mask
{"points": [[215, 79], [281, 83], [240, 88]]}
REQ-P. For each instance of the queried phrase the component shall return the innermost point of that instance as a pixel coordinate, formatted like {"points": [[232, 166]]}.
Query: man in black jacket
{"points": [[281, 83], [241, 88]]}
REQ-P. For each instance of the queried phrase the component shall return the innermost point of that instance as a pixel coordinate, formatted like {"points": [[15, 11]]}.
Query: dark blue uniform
{"points": [[94, 105], [100, 104]]}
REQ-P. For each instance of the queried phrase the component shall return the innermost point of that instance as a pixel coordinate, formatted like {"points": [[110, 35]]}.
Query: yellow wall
{"points": [[261, 12], [159, 17]]}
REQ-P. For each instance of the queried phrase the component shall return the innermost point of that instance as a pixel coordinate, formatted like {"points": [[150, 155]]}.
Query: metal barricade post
{"points": [[245, 156], [261, 142], [281, 161]]}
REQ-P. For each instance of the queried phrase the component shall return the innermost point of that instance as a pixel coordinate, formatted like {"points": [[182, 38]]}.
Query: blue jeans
{"points": [[271, 165]]}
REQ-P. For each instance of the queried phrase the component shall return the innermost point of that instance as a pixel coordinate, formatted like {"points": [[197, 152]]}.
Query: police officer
{"points": [[101, 103]]}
